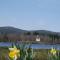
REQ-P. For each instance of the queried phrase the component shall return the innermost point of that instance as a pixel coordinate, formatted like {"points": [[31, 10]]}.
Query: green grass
{"points": [[40, 54], [3, 53]]}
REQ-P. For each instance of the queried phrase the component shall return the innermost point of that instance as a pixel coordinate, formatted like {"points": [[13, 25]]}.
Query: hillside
{"points": [[18, 31], [12, 30], [14, 34]]}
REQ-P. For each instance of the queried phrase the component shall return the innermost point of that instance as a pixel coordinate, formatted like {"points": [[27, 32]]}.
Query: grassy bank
{"points": [[3, 53], [40, 54]]}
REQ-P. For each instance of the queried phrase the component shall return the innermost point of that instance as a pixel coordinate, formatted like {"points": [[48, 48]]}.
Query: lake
{"points": [[34, 46]]}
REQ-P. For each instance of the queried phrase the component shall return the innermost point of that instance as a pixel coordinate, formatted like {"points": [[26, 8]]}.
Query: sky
{"points": [[31, 14]]}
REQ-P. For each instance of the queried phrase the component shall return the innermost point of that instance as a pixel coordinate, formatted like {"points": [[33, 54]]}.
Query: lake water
{"points": [[35, 46]]}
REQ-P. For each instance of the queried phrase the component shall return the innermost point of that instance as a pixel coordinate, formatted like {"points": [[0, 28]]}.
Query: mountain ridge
{"points": [[9, 29]]}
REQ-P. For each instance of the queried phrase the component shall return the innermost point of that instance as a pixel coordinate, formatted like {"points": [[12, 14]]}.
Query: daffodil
{"points": [[14, 53], [53, 51]]}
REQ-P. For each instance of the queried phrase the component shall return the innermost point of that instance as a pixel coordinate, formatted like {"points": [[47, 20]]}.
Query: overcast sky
{"points": [[31, 14]]}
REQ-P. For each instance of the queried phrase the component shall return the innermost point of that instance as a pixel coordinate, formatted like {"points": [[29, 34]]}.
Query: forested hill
{"points": [[14, 34], [12, 30]]}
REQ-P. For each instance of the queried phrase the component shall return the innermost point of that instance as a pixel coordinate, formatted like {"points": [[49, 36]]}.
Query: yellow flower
{"points": [[53, 51], [14, 52]]}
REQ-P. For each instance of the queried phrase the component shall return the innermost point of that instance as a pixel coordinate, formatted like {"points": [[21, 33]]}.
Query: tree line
{"points": [[49, 38]]}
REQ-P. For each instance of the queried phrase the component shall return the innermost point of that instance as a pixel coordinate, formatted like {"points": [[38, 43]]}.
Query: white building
{"points": [[37, 38]]}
